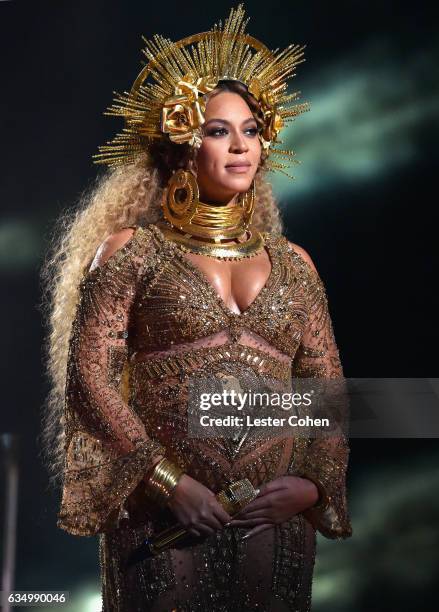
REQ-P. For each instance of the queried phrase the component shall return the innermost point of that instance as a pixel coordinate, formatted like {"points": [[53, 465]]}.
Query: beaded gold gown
{"points": [[147, 320]]}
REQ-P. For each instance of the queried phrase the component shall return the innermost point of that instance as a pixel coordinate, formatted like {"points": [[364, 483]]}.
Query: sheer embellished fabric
{"points": [[147, 321]]}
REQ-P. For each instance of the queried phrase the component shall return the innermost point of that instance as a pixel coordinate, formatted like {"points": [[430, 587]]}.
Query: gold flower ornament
{"points": [[273, 121], [183, 113]]}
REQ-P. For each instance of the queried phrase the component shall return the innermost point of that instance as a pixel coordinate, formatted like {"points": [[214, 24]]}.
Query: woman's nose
{"points": [[238, 143]]}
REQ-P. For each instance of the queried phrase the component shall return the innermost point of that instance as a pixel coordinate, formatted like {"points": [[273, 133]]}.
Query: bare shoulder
{"points": [[111, 244], [303, 253]]}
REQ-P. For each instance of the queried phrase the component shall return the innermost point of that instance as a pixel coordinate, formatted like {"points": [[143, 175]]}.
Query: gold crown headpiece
{"points": [[172, 105]]}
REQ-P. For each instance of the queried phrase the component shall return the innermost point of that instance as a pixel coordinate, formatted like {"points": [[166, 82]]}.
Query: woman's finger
{"points": [[257, 512], [256, 504], [194, 532], [223, 516], [204, 529], [272, 485], [250, 522], [256, 530], [212, 521], [264, 513]]}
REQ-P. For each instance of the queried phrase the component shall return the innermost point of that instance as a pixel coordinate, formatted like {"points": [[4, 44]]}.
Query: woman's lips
{"points": [[238, 169]]}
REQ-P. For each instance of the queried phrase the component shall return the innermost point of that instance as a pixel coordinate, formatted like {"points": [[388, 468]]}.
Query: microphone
{"points": [[233, 499]]}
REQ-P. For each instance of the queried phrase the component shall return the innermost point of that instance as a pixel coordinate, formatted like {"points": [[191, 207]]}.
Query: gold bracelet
{"points": [[163, 481]]}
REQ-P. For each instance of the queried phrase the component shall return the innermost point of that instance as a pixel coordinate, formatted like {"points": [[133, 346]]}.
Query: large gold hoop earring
{"points": [[181, 198]]}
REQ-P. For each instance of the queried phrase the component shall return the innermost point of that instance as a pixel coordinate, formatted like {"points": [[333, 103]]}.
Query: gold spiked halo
{"points": [[171, 104]]}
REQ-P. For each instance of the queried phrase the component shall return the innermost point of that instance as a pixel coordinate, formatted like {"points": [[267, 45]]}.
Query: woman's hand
{"points": [[197, 508], [278, 501]]}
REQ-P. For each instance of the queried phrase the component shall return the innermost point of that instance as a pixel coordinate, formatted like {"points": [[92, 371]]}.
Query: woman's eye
{"points": [[221, 131], [218, 131]]}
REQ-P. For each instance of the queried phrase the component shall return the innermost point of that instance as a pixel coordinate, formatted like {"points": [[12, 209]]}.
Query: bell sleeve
{"points": [[325, 459], [107, 449]]}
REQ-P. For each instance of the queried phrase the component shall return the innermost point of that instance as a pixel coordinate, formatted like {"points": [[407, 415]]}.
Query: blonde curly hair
{"points": [[121, 197]]}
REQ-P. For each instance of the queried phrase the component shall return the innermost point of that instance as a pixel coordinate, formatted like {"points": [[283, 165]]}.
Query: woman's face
{"points": [[230, 151]]}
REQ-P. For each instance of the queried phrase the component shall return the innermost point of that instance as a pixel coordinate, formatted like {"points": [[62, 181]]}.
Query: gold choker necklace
{"points": [[183, 209], [229, 250], [199, 227]]}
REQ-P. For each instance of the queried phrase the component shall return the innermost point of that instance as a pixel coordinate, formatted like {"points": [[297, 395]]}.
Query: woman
{"points": [[193, 277]]}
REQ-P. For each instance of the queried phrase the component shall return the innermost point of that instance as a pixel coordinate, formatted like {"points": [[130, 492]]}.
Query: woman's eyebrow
{"points": [[228, 122]]}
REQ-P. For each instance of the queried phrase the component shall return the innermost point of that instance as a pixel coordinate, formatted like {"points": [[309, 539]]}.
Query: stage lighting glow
{"points": [[366, 112]]}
